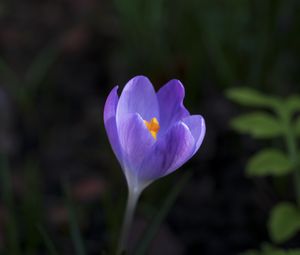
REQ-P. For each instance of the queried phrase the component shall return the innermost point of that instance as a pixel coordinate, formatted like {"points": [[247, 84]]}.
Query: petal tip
{"points": [[139, 96], [110, 105], [139, 78], [176, 86]]}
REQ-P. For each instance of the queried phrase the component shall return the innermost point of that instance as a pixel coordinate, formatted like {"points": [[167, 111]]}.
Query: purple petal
{"points": [[196, 125], [135, 141], [170, 100], [110, 121], [138, 96], [168, 153]]}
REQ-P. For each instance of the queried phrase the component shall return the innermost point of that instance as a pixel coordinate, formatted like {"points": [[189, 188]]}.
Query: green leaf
{"points": [[251, 252], [283, 252], [269, 162], [284, 222], [292, 104], [268, 249], [258, 124], [250, 97]]}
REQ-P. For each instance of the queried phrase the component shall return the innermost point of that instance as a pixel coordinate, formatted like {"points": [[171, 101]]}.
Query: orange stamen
{"points": [[153, 126]]}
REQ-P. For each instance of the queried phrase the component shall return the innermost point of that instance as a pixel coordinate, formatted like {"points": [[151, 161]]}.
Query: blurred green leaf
{"points": [[139, 21], [284, 222], [251, 252], [258, 124], [288, 252], [251, 97], [270, 250], [292, 104], [269, 162], [214, 46], [260, 43]]}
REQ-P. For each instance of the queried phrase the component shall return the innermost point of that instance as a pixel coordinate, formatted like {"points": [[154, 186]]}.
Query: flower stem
{"points": [[133, 197], [292, 150]]}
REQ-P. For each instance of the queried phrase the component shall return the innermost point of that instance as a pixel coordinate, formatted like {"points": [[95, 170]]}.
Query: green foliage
{"points": [[268, 249], [269, 162], [258, 124], [25, 87], [250, 97], [284, 222], [297, 126], [143, 27], [292, 104]]}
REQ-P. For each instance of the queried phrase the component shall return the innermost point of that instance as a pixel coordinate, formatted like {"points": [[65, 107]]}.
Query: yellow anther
{"points": [[153, 126]]}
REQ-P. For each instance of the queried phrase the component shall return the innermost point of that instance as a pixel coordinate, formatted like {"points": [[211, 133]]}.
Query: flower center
{"points": [[153, 126]]}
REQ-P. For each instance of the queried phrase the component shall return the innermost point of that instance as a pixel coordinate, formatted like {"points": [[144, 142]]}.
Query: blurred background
{"points": [[61, 185]]}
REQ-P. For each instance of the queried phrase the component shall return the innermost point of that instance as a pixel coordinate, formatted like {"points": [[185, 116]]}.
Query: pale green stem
{"points": [[133, 197], [292, 150]]}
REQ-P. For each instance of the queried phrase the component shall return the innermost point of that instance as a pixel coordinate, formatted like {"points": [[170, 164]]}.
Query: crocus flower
{"points": [[152, 134]]}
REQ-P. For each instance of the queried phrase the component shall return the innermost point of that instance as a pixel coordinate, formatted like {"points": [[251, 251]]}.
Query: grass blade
{"points": [[32, 205], [148, 236], [41, 65], [13, 245], [47, 240], [74, 226]]}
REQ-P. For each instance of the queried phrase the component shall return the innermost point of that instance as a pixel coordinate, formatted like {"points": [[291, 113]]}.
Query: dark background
{"points": [[58, 62]]}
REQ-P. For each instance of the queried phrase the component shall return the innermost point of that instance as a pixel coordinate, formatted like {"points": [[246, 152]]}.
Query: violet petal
{"points": [[135, 141], [170, 99], [196, 125], [138, 96], [168, 153], [110, 122]]}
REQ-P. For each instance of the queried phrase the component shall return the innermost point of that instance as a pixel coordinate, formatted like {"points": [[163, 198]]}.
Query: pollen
{"points": [[153, 126]]}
